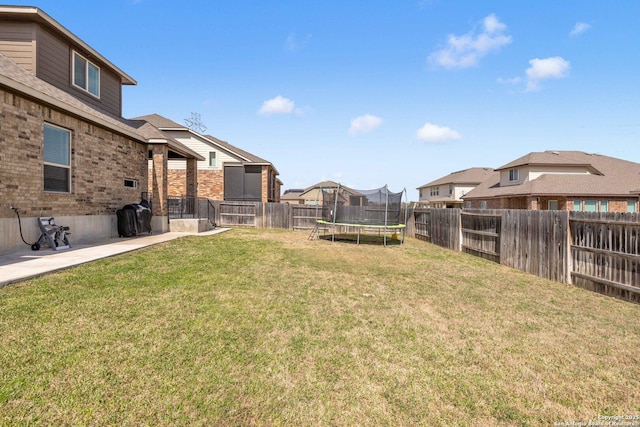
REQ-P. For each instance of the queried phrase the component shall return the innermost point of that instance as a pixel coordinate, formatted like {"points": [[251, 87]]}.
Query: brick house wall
{"points": [[100, 162], [542, 203]]}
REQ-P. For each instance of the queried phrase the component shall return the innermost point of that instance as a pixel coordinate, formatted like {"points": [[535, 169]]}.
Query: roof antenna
{"points": [[195, 123]]}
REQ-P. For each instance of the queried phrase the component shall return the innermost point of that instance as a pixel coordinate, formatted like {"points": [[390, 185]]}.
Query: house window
{"points": [[483, 204], [631, 206], [86, 75], [604, 206], [57, 159], [590, 206], [577, 205], [467, 205], [435, 191], [450, 189], [131, 183], [553, 205], [212, 159], [514, 174]]}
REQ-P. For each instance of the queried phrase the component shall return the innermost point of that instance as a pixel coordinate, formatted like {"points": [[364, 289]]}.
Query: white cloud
{"points": [[544, 69], [579, 28], [466, 50], [434, 133], [364, 123], [277, 105]]}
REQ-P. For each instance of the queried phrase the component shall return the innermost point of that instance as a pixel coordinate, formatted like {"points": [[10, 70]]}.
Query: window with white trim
{"points": [[435, 191], [483, 205], [604, 206], [131, 183], [631, 205], [86, 75], [212, 159], [57, 159], [514, 174]]}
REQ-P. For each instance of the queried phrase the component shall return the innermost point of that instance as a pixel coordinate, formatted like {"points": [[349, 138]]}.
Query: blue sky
{"points": [[376, 92]]}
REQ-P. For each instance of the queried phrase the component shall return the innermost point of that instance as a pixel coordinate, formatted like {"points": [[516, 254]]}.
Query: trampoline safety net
{"points": [[378, 207]]}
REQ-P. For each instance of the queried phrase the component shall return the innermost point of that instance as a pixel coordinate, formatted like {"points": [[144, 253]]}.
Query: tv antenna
{"points": [[195, 123]]}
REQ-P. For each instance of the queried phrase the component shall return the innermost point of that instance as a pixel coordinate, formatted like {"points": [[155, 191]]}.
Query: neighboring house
{"points": [[225, 173], [564, 180], [65, 150], [292, 196], [313, 195], [447, 192]]}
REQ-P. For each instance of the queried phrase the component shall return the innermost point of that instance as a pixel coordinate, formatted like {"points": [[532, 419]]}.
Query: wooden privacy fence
{"points": [[597, 251], [267, 215]]}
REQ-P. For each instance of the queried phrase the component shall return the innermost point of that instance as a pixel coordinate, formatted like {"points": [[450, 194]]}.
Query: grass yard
{"points": [[255, 327]]}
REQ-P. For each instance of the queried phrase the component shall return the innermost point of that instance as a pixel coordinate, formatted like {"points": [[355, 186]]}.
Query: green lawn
{"points": [[267, 328]]}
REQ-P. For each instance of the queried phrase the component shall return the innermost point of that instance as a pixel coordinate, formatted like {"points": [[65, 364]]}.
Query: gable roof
{"points": [[34, 14], [466, 176], [610, 177], [165, 124]]}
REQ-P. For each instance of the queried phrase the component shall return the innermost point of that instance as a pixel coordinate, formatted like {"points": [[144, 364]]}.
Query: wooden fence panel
{"points": [[421, 224], [536, 242], [481, 234], [303, 217], [605, 253], [238, 213]]}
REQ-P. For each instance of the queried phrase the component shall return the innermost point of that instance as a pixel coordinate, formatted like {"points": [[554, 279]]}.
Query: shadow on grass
{"points": [[365, 239]]}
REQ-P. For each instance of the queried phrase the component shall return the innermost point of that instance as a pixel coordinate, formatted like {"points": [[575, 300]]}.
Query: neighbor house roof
{"points": [[166, 124], [609, 177], [34, 14], [467, 176]]}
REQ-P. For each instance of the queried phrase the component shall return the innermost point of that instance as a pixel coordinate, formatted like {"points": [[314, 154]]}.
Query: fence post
{"points": [[569, 254]]}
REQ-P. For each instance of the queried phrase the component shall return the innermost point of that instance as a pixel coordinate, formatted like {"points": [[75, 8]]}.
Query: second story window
{"points": [[86, 75], [513, 175], [212, 159], [435, 191]]}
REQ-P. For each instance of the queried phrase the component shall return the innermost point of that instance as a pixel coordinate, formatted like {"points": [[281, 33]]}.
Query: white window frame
{"points": [[631, 205], [88, 85], [212, 156], [604, 206], [551, 202], [435, 191], [483, 204], [514, 175], [577, 205], [130, 183], [67, 167]]}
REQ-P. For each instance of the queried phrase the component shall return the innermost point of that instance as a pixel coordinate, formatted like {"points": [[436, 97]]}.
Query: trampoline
{"points": [[357, 212]]}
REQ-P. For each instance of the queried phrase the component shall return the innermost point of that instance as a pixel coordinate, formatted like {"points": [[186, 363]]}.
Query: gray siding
{"points": [[17, 43], [54, 66]]}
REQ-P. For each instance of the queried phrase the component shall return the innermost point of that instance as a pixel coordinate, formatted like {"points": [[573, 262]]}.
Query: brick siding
{"points": [[100, 162]]}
